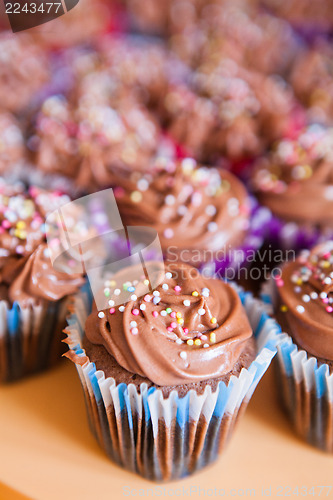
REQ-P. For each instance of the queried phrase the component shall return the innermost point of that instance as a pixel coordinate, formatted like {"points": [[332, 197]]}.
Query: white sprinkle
{"points": [[156, 293], [300, 309], [205, 345], [306, 298], [187, 303], [170, 199], [134, 297], [297, 289], [165, 286], [163, 313], [212, 227], [121, 308], [168, 276], [111, 303], [101, 314], [201, 312], [168, 233], [314, 295], [323, 295], [117, 291], [179, 341], [210, 210], [133, 324], [327, 281], [142, 185], [182, 209], [143, 307], [183, 354]]}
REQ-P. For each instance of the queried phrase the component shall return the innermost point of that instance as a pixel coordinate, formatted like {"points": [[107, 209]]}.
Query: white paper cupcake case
{"points": [[164, 439], [305, 386], [30, 337]]}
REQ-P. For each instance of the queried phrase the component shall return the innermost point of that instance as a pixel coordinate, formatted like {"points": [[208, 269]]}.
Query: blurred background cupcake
{"points": [[294, 180], [203, 215], [302, 301], [167, 372], [34, 296]]}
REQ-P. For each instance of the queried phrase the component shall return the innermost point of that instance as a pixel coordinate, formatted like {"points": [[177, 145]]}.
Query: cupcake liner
{"points": [[306, 389], [167, 438], [30, 338]]}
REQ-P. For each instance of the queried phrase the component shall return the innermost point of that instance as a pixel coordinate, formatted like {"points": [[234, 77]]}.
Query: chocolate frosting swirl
{"points": [[26, 271], [296, 179], [86, 141], [39, 279], [189, 329], [305, 300], [190, 206]]}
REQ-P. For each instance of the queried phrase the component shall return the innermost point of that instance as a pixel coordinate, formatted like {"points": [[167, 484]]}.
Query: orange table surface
{"points": [[47, 451]]}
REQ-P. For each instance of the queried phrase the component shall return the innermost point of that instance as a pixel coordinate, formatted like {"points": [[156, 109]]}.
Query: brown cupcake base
{"points": [[103, 361]]}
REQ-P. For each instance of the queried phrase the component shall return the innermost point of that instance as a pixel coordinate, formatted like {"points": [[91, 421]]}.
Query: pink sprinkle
{"points": [[155, 314], [329, 309], [147, 298], [203, 337], [173, 314], [177, 288], [135, 312], [112, 310], [325, 300], [173, 324], [134, 331], [279, 282], [6, 224], [169, 329], [185, 330]]}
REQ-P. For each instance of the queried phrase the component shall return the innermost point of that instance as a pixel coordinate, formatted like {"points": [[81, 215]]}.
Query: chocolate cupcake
{"points": [[226, 118], [302, 300], [238, 112], [253, 39], [85, 142], [24, 70], [312, 80], [295, 181], [168, 362], [201, 214], [33, 296]]}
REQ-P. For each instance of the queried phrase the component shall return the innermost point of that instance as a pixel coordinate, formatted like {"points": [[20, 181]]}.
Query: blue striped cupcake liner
{"points": [[30, 337], [305, 387], [167, 438]]}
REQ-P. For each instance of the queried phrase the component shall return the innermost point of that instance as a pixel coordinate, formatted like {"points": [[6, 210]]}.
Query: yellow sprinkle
{"points": [[180, 321], [299, 281], [212, 337], [136, 196], [21, 224], [189, 342], [197, 342], [325, 264], [213, 321], [178, 314], [146, 282], [284, 308], [195, 294]]}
